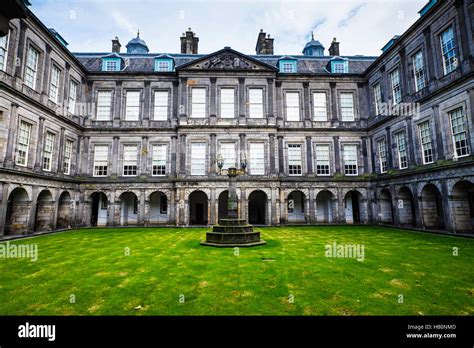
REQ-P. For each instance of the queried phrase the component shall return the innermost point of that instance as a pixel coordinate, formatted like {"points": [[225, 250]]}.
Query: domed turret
{"points": [[313, 48], [137, 45]]}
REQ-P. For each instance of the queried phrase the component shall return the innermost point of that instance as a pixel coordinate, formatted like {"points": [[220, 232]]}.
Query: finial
{"points": [[138, 33], [312, 35]]}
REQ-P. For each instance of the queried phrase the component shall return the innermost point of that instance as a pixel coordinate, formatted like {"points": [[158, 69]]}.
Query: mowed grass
{"points": [[168, 265]]}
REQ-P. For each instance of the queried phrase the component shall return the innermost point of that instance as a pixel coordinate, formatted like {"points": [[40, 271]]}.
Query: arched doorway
{"points": [[352, 207], [44, 211], [405, 207], [296, 207], [462, 203], [222, 204], [385, 207], [18, 212], [325, 207], [128, 209], [257, 208], [99, 209], [432, 207], [158, 208], [198, 212], [64, 211]]}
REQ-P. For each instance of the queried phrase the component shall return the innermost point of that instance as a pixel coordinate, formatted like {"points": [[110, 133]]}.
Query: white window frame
{"points": [[256, 103], [320, 106], [164, 65], [198, 102], [292, 104], [229, 155], [31, 69], [349, 160], [54, 84], [382, 152], [132, 105], [459, 132], [419, 71], [227, 102], [295, 159], [101, 160], [377, 90], [347, 116], [104, 105], [424, 130], [130, 160], [323, 159], [5, 40], [402, 151], [395, 86], [448, 50], [23, 143], [158, 159], [198, 158], [161, 106], [111, 65], [257, 161], [287, 67], [72, 96], [48, 150], [68, 148]]}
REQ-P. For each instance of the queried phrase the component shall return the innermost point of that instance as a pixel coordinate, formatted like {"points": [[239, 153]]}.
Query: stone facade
{"points": [[428, 183]]}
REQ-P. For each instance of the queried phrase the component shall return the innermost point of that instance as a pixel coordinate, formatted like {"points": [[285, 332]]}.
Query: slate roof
{"points": [[145, 62]]}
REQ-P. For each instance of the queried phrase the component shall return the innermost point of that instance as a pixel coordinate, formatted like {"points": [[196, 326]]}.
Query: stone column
{"points": [[183, 100], [417, 206], [340, 206], [283, 208], [3, 206], [172, 207], [430, 72], [464, 29], [213, 95], [410, 143], [310, 207], [403, 72], [46, 71], [39, 146], [242, 145], [272, 151], [334, 102], [65, 98], [365, 154], [242, 101], [389, 148], [115, 151], [213, 154], [32, 212], [13, 125], [141, 208], [21, 48], [448, 225], [145, 155], [85, 155], [173, 155], [306, 112], [243, 204], [270, 113], [213, 215], [279, 103], [274, 208], [117, 109], [146, 216], [182, 154], [175, 105], [146, 104], [337, 156], [281, 164], [438, 128], [309, 155], [60, 168], [372, 153]]}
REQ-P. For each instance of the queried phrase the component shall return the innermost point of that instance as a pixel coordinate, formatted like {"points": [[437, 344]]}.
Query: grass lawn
{"points": [[166, 263]]}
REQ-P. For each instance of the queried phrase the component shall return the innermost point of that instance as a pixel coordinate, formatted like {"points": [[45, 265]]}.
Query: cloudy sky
{"points": [[362, 27]]}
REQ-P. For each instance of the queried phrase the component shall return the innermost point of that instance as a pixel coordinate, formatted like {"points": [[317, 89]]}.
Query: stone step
{"points": [[232, 229], [232, 222]]}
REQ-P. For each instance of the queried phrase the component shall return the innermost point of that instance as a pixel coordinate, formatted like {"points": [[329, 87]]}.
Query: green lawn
{"points": [[166, 263]]}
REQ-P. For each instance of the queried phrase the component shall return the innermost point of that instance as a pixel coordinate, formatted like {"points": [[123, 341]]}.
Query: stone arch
{"points": [[198, 203], [129, 207], [326, 206], [18, 212], [354, 209], [44, 211], [385, 206], [257, 208], [222, 204], [159, 208], [98, 208], [64, 218], [432, 207], [296, 206], [405, 207], [462, 206]]}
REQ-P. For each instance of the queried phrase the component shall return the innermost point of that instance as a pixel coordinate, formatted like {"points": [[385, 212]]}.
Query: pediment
{"points": [[225, 60]]}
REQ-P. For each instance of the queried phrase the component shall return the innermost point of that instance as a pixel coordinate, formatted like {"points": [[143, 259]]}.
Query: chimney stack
{"points": [[116, 45], [189, 42], [334, 48], [264, 43]]}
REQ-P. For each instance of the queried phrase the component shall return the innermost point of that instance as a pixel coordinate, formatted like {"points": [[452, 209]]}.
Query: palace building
{"points": [[130, 137]]}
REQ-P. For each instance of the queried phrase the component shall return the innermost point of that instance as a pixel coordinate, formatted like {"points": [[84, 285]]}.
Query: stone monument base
{"points": [[233, 233]]}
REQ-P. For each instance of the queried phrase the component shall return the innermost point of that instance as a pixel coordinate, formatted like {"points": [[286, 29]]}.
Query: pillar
{"points": [[39, 146], [8, 161]]}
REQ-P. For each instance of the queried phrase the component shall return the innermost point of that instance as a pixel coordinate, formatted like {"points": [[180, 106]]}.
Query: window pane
{"points": [[229, 155], [320, 106], [227, 103], [350, 159], [256, 103], [130, 159], [198, 102], [292, 106], [257, 159], [294, 159], [159, 160], [322, 160], [347, 107], [161, 106], [104, 102], [132, 108], [23, 143], [198, 159], [101, 160]]}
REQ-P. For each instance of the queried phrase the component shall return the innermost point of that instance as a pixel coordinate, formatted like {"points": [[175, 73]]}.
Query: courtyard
{"points": [[164, 271]]}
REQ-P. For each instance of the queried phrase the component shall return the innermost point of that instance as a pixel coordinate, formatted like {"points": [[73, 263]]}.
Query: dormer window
{"points": [[110, 64], [164, 64], [339, 66], [288, 66]]}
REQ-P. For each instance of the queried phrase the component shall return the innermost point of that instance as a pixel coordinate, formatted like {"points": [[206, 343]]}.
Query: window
{"points": [[198, 159], [350, 159], [419, 71], [287, 66], [54, 84], [101, 160], [320, 106], [448, 50], [198, 102], [158, 160], [257, 158], [292, 106], [229, 155], [132, 106], [23, 143], [294, 159], [338, 68], [163, 65], [425, 138], [377, 98], [72, 97], [227, 103], [111, 64], [402, 150], [322, 160], [160, 112], [130, 160], [347, 107], [31, 67], [48, 151], [67, 157], [395, 83], [256, 103], [104, 103], [459, 132], [382, 147], [3, 52]]}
